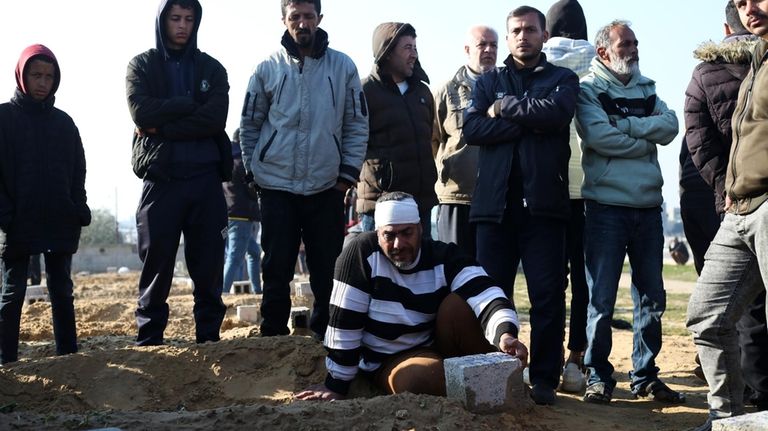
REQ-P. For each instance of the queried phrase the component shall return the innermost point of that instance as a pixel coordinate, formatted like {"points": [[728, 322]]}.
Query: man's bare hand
{"points": [[512, 346], [320, 393], [146, 132], [341, 186], [728, 202], [491, 111]]}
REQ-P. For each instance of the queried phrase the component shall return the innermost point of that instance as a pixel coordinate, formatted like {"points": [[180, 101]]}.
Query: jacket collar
{"points": [[318, 49], [601, 70], [29, 104], [543, 64]]}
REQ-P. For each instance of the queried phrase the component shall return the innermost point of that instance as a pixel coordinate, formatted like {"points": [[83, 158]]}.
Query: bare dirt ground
{"points": [[247, 382]]}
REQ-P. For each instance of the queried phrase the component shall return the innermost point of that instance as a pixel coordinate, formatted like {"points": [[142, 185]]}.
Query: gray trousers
{"points": [[735, 271]]}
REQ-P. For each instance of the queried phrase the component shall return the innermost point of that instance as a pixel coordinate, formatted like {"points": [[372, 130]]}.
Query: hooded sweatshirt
{"points": [[399, 154], [620, 127], [42, 170], [184, 95], [568, 47]]}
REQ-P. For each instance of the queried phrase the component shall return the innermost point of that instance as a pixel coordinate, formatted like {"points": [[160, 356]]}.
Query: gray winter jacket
{"points": [[304, 126]]}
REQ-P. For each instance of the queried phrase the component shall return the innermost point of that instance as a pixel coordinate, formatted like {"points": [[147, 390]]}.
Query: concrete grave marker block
{"points": [[241, 287], [487, 383], [36, 293], [299, 321], [248, 313], [750, 422], [304, 290]]}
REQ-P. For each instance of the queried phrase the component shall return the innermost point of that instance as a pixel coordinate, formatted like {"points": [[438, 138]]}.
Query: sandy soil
{"points": [[247, 382]]}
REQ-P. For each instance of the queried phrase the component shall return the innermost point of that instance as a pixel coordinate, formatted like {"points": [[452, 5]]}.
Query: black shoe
{"points": [[543, 395]]}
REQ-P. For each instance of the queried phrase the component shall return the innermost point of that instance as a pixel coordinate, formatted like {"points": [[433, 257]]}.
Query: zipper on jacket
{"points": [[280, 90], [266, 147], [354, 103], [245, 104], [747, 100], [333, 94]]}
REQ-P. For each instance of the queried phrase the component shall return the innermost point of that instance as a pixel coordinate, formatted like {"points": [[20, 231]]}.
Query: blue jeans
{"points": [[734, 274], [611, 233], [241, 243]]}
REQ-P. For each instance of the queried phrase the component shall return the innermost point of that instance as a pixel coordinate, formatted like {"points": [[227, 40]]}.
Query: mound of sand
{"points": [[245, 381]]}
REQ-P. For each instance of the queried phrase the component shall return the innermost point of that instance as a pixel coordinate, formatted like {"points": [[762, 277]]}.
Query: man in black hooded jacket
{"points": [[178, 99]]}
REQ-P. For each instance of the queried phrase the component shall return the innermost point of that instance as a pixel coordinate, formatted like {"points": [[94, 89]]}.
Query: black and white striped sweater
{"points": [[378, 310]]}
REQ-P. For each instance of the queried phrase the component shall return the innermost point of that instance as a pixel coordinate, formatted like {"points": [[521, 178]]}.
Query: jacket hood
{"points": [[160, 37], [28, 54], [734, 49], [384, 37], [566, 19], [574, 54]]}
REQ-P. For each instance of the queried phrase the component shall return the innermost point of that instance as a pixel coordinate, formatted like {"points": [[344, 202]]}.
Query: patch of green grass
{"points": [[673, 322], [675, 272]]}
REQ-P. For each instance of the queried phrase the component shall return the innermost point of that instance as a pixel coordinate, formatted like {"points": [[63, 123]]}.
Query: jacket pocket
{"points": [[264, 150], [149, 156]]}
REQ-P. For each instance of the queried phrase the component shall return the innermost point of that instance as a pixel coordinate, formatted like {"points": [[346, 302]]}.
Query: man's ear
{"points": [[602, 54], [545, 36], [319, 19]]}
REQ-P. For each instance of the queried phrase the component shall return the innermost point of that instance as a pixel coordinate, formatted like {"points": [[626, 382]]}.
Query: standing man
{"points": [[399, 156], [621, 121], [303, 133], [456, 162], [568, 47], [709, 105], [520, 118], [178, 99], [243, 216], [735, 267], [43, 203]]}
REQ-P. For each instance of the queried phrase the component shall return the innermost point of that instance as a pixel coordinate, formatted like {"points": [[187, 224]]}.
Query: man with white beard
{"points": [[621, 121]]}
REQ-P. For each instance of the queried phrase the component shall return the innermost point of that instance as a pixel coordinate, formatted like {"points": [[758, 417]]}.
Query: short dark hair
{"points": [[184, 4], [284, 4], [733, 19], [394, 196], [525, 10]]}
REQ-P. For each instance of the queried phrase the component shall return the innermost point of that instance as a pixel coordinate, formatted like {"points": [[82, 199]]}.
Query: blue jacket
{"points": [[534, 111]]}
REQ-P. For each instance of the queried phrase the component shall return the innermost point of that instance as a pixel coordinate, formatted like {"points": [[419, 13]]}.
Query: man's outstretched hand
{"points": [[320, 393], [512, 346]]}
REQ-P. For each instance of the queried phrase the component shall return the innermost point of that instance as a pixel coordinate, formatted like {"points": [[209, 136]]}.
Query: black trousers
{"points": [[539, 243], [574, 239], [14, 270], [453, 226], [196, 208], [700, 222], [286, 220]]}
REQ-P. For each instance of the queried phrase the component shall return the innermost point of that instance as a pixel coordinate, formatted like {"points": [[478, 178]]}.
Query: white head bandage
{"points": [[396, 212]]}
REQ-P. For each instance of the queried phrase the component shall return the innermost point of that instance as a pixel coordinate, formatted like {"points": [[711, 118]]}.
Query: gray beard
{"points": [[623, 66]]}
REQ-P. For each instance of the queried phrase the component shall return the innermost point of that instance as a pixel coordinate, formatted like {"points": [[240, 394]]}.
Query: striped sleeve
{"points": [[469, 280], [349, 305]]}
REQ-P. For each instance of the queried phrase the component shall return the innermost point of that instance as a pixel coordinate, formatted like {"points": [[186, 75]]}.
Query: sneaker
{"points": [[543, 395], [573, 379]]}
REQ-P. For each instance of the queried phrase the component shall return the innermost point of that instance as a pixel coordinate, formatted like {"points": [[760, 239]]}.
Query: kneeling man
{"points": [[402, 303]]}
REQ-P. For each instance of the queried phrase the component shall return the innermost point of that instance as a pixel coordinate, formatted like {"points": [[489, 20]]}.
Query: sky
{"points": [[94, 41]]}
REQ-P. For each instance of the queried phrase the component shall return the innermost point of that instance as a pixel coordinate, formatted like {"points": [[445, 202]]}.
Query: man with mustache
{"points": [[402, 113], [402, 303], [303, 132], [519, 117], [456, 162], [735, 265], [621, 121]]}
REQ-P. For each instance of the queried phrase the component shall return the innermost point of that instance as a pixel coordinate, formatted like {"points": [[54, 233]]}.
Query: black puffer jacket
{"points": [[42, 173], [709, 104], [399, 154]]}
